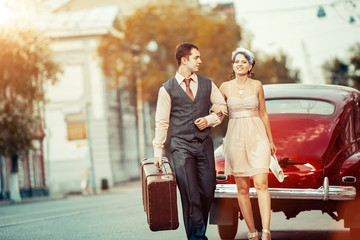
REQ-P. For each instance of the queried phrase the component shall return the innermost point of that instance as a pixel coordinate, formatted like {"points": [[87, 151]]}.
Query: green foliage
{"points": [[25, 65]]}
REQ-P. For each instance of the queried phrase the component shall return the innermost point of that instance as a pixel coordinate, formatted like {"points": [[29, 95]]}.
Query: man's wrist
{"points": [[207, 120], [158, 152]]}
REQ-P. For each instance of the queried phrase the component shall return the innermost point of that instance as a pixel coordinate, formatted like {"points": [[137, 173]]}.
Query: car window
{"points": [[300, 106]]}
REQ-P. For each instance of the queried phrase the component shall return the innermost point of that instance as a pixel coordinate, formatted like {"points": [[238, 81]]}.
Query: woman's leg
{"points": [[243, 185], [261, 185]]}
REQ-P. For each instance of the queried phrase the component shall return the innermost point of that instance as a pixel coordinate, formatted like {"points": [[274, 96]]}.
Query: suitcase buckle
{"points": [[166, 177]]}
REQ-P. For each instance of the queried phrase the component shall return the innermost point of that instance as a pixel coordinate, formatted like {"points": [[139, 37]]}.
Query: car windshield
{"points": [[300, 106]]}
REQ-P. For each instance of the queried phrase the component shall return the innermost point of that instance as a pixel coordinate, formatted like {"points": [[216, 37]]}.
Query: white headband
{"points": [[248, 54]]}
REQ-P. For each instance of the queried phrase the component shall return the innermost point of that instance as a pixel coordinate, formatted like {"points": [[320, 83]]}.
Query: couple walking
{"points": [[183, 105]]}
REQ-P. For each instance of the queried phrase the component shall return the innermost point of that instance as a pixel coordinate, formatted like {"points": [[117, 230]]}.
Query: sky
{"points": [[294, 28]]}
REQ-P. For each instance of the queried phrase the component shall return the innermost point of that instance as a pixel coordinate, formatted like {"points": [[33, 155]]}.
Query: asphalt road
{"points": [[118, 214]]}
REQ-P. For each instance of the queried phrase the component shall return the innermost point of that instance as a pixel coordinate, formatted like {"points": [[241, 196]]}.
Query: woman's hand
{"points": [[273, 148]]}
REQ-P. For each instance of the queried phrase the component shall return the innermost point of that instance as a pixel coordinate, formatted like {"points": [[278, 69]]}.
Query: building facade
{"points": [[86, 123]]}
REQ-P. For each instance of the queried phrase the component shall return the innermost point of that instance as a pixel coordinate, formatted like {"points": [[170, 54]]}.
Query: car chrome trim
{"points": [[325, 192], [221, 177], [348, 179], [326, 187]]}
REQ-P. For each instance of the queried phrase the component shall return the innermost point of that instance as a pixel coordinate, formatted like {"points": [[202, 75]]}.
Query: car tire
{"points": [[355, 233], [228, 231]]}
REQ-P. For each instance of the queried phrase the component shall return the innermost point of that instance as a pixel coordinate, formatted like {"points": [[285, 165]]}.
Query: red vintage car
{"points": [[316, 129]]}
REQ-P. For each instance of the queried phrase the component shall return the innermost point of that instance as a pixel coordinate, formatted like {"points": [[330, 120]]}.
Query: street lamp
{"points": [[351, 19], [142, 58], [321, 12]]}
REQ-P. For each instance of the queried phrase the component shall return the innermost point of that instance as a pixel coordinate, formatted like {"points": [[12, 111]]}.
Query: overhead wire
{"points": [[297, 8], [329, 4]]}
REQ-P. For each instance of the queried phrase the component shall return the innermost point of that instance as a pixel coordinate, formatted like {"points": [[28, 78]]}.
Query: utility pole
{"points": [[139, 107], [141, 58], [88, 133], [3, 177]]}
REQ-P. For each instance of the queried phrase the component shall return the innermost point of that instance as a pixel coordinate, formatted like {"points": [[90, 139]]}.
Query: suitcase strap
{"points": [[170, 200]]}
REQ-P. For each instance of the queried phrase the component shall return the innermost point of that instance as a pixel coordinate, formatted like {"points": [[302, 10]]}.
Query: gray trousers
{"points": [[194, 168]]}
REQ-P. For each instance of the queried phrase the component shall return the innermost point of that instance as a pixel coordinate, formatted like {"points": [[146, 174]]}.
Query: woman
{"points": [[248, 142]]}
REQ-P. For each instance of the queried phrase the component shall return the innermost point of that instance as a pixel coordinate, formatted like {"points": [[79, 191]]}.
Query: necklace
{"points": [[241, 91]]}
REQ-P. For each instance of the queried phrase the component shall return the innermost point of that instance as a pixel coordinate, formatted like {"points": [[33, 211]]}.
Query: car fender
{"points": [[350, 172]]}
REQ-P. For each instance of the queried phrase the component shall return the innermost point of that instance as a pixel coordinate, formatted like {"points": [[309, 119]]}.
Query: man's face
{"points": [[193, 62]]}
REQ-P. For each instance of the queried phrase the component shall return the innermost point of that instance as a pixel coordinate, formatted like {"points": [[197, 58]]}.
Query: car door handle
{"points": [[348, 179]]}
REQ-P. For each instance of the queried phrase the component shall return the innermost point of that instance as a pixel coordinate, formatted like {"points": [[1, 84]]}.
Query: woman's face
{"points": [[241, 65]]}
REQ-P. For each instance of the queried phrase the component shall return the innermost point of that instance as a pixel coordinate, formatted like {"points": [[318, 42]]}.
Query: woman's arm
{"points": [[263, 115], [219, 109]]}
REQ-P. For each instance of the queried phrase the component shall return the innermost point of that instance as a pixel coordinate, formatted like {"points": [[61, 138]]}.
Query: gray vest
{"points": [[184, 111]]}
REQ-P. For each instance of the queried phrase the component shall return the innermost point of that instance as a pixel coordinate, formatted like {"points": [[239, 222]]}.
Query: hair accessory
{"points": [[249, 55]]}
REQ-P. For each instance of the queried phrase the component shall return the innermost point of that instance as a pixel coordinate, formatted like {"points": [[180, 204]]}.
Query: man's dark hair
{"points": [[184, 50]]}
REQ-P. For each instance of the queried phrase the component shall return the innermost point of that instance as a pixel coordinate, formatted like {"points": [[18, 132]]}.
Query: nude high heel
{"points": [[252, 235], [265, 232]]}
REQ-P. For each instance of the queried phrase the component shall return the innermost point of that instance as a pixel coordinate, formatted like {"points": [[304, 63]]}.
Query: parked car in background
{"points": [[316, 129]]}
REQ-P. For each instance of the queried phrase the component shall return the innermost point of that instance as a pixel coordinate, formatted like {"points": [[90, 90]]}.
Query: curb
{"points": [[116, 188]]}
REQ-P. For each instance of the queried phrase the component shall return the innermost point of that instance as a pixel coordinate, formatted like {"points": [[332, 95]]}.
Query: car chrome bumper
{"points": [[325, 192]]}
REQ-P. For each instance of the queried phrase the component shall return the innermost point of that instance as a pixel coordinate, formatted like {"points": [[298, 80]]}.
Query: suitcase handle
{"points": [[164, 160]]}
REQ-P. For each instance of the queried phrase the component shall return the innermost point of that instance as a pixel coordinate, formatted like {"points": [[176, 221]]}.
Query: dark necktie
{"points": [[188, 89]]}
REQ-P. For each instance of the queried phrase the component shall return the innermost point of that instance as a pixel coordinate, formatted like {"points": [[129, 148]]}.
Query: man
{"points": [[185, 100]]}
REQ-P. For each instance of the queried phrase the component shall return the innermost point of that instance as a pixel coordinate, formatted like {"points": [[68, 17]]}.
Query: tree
{"points": [[345, 72], [355, 63], [274, 69], [339, 72], [168, 24], [123, 55], [25, 67]]}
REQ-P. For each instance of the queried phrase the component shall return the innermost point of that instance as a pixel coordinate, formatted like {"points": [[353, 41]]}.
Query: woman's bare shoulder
{"points": [[257, 82], [224, 84]]}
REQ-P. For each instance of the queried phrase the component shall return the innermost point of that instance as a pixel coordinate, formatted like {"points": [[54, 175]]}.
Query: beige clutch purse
{"points": [[276, 169]]}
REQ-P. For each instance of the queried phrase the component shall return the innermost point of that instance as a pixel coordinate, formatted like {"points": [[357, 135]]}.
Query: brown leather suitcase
{"points": [[159, 195]]}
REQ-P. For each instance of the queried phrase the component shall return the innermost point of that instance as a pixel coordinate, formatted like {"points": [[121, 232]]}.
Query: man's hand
{"points": [[201, 123], [158, 162]]}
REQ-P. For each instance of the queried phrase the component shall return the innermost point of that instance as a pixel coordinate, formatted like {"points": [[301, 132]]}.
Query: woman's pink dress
{"points": [[246, 145]]}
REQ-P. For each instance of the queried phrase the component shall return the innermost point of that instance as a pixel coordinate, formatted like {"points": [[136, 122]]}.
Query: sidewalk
{"points": [[116, 188]]}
